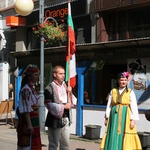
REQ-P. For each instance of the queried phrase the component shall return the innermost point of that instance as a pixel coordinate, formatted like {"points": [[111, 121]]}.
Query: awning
{"points": [[107, 51], [86, 47], [116, 44]]}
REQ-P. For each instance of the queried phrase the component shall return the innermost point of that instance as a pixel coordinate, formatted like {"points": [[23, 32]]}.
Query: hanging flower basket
{"points": [[54, 34]]}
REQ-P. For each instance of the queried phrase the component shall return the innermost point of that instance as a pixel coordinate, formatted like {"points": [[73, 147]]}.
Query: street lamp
{"points": [[24, 7]]}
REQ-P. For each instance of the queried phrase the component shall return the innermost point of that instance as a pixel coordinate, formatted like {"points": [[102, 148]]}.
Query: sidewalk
{"points": [[8, 139]]}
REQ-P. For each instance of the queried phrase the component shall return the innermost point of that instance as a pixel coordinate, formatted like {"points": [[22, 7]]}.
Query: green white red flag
{"points": [[71, 48]]}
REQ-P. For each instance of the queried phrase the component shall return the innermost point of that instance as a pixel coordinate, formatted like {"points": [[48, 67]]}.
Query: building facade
{"points": [[111, 36]]}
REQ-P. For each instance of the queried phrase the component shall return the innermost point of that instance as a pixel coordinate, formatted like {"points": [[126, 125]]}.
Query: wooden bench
{"points": [[6, 108]]}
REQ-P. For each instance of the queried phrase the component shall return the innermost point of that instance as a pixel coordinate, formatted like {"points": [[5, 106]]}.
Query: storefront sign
{"points": [[15, 21], [61, 13]]}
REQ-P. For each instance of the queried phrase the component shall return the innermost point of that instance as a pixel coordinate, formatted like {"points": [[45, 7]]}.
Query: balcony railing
{"points": [[134, 32], [101, 5]]}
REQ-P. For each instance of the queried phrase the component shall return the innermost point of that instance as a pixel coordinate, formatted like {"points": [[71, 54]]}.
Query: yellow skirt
{"points": [[118, 135]]}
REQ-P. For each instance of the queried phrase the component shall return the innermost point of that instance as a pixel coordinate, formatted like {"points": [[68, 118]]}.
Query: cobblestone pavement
{"points": [[8, 139]]}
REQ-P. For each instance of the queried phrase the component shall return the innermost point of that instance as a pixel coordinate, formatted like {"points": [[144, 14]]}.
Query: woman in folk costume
{"points": [[121, 113], [28, 130]]}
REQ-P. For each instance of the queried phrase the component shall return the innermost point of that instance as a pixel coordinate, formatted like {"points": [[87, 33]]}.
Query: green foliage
{"points": [[53, 33]]}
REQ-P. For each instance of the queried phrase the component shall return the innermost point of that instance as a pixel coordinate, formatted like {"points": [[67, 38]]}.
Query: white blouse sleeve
{"points": [[25, 100], [108, 108], [133, 106]]}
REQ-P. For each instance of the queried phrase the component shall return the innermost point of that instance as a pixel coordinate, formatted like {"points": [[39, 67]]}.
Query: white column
{"points": [[4, 81]]}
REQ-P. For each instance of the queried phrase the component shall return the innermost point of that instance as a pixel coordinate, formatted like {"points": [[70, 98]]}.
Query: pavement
{"points": [[8, 139]]}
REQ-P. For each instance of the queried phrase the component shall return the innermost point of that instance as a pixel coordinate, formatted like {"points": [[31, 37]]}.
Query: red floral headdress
{"points": [[31, 70], [126, 75]]}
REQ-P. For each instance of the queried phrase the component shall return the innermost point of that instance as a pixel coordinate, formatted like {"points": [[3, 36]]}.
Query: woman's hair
{"points": [[24, 81], [123, 75]]}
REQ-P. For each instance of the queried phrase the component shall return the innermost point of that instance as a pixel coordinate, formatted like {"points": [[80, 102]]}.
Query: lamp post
{"points": [[41, 105]]}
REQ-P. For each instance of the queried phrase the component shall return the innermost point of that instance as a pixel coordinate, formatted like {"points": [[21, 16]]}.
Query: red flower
{"points": [[42, 25]]}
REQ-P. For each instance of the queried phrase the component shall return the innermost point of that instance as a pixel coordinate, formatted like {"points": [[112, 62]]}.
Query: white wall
{"points": [[3, 81], [95, 116], [91, 116], [74, 121]]}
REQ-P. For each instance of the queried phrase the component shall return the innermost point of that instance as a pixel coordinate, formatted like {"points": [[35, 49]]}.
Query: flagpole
{"points": [[68, 64], [68, 61], [69, 68]]}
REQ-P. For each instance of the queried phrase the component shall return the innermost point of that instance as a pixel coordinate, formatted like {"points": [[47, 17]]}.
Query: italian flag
{"points": [[71, 48]]}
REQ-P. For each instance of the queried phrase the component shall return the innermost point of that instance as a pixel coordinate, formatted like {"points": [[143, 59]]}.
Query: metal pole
{"points": [[41, 105]]}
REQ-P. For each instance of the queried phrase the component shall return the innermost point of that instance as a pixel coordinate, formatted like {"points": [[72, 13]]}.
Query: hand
{"points": [[68, 106], [31, 130], [132, 124], [106, 121], [69, 89], [87, 100]]}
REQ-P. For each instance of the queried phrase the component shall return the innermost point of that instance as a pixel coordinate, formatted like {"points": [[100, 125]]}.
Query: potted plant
{"points": [[54, 34]]}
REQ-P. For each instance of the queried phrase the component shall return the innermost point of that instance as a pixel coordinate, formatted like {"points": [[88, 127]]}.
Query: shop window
{"points": [[136, 22], [139, 23], [122, 26], [88, 96], [90, 81], [111, 26], [99, 78], [33, 42], [82, 27]]}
